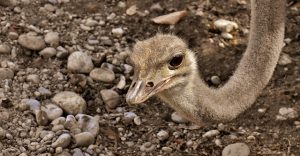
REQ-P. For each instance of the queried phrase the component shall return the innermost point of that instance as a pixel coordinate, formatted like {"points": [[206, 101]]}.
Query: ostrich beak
{"points": [[140, 91]]}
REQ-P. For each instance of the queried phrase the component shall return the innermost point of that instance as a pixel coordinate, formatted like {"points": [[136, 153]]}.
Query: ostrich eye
{"points": [[175, 62]]}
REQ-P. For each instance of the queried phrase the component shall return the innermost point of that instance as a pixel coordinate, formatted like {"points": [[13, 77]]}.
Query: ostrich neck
{"points": [[196, 100]]}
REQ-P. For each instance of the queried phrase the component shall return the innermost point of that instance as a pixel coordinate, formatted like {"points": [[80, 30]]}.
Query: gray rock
{"points": [[62, 141], [88, 124], [225, 25], [80, 62], [177, 118], [237, 149], [44, 91], [13, 35], [117, 32], [78, 152], [84, 139], [34, 78], [6, 73], [72, 125], [147, 147], [110, 98], [53, 111], [215, 80], [59, 121], [70, 102], [48, 52], [31, 104], [32, 42], [5, 49], [52, 38], [102, 74]]}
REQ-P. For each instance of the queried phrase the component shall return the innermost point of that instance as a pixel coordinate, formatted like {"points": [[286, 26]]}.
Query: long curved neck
{"points": [[251, 76]]}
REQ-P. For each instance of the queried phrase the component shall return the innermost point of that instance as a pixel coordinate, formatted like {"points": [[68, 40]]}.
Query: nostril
{"points": [[133, 84], [150, 84]]}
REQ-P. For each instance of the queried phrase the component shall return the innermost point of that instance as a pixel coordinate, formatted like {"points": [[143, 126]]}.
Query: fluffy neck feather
{"points": [[197, 101]]}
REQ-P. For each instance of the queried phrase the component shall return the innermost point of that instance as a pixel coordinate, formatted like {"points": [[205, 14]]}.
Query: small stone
{"points": [[284, 59], [70, 102], [31, 42], [226, 35], [156, 7], [137, 120], [102, 74], [177, 118], [31, 104], [110, 98], [44, 92], [41, 117], [5, 49], [131, 10], [211, 133], [53, 111], [287, 113], [91, 23], [237, 149], [215, 80], [167, 149], [147, 147], [262, 110], [13, 35], [78, 152], [57, 128], [48, 52], [84, 139], [117, 32], [88, 124], [80, 62], [2, 133], [52, 38], [6, 73], [225, 25], [34, 78], [62, 141], [162, 135], [59, 121]]}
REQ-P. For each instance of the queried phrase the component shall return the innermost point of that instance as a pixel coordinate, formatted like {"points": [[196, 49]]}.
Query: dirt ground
{"points": [[261, 131]]}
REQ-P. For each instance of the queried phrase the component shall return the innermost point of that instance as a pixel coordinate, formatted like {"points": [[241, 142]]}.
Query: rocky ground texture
{"points": [[64, 72]]}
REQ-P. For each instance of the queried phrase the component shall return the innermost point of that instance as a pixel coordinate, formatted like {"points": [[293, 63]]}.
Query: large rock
{"points": [[32, 42], [80, 62], [62, 141], [70, 102], [52, 111], [237, 149], [88, 124], [84, 139], [6, 73]]}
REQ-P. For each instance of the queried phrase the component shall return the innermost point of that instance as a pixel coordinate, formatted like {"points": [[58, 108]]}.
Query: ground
{"points": [[258, 129]]}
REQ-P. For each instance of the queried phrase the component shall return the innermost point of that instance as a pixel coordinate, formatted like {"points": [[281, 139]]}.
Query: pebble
{"points": [[70, 102], [48, 52], [44, 91], [102, 74], [177, 118], [59, 121], [147, 147], [62, 141], [167, 149], [211, 133], [137, 120], [2, 133], [215, 80], [236, 149], [162, 135], [6, 73], [91, 23], [284, 59], [122, 82], [52, 38], [84, 139], [31, 42], [111, 98], [88, 124], [5, 49], [53, 111], [117, 32], [226, 35], [34, 78], [225, 25], [41, 118], [31, 104], [80, 62], [13, 35], [287, 113], [78, 152]]}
